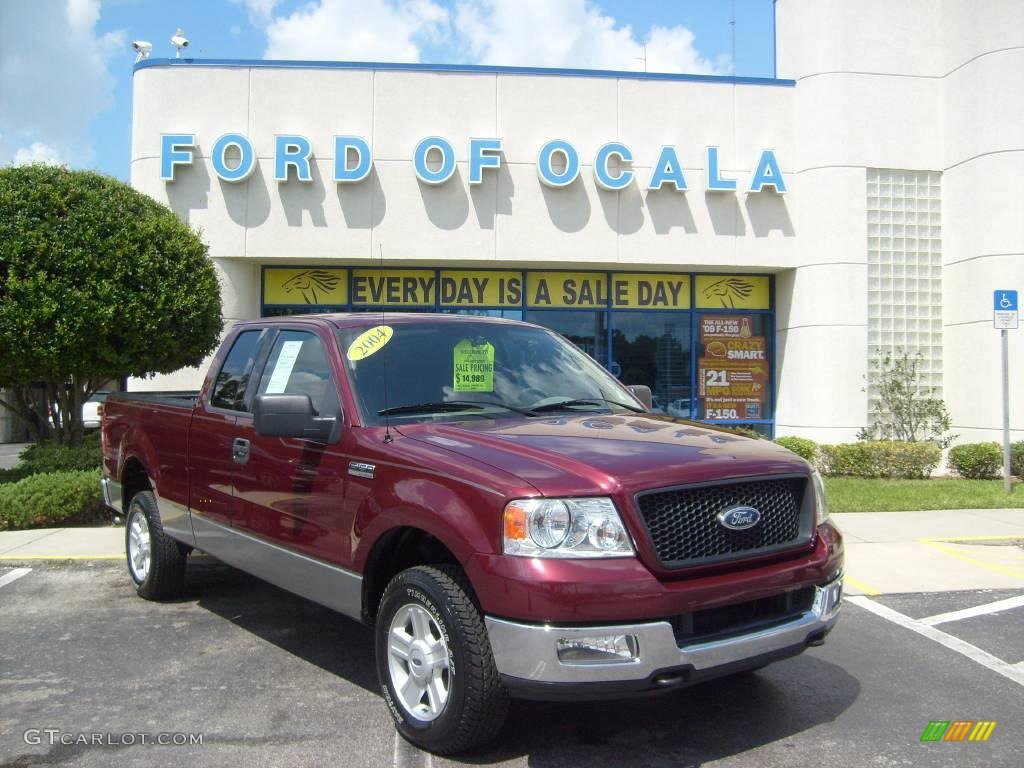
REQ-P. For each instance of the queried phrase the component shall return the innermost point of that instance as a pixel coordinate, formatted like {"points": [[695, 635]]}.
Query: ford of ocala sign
{"points": [[434, 158]]}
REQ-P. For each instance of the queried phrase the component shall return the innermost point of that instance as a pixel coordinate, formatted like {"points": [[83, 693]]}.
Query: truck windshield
{"points": [[464, 369]]}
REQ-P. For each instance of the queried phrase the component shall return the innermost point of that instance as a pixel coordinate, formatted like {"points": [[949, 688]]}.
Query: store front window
{"points": [[702, 343], [587, 330], [653, 348]]}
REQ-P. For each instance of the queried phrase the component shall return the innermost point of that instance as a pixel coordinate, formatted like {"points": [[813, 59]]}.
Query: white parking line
{"points": [[974, 653], [978, 610], [14, 575]]}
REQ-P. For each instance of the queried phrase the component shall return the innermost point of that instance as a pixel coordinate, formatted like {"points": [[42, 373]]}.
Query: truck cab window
{"points": [[229, 388], [298, 366]]}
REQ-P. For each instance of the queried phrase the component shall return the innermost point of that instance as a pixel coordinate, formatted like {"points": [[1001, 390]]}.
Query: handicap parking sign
{"points": [[1005, 312]]}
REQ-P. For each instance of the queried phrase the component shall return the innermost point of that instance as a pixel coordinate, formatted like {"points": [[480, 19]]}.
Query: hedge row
{"points": [[51, 499], [905, 460], [881, 458]]}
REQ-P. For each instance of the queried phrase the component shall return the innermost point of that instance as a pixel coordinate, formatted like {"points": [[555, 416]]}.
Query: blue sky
{"points": [[66, 65]]}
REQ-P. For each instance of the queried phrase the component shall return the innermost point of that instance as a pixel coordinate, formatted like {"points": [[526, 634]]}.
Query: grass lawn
{"points": [[855, 494]]}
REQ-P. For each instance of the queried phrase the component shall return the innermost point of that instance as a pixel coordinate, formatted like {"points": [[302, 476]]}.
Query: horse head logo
{"points": [[309, 282], [728, 290]]}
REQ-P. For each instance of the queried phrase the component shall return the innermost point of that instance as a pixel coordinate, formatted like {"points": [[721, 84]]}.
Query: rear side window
{"points": [[229, 389], [298, 366]]}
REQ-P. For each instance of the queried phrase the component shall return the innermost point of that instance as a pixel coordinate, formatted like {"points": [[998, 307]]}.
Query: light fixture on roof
{"points": [[143, 48], [179, 41]]}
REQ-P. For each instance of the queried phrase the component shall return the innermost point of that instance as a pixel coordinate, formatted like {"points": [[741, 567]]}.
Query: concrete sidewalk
{"points": [[886, 552]]}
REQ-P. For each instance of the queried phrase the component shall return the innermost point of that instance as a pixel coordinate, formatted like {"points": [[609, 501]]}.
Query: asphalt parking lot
{"points": [[269, 679]]}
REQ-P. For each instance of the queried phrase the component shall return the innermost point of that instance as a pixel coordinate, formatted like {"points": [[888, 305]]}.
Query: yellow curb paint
{"points": [[975, 538], [938, 546], [860, 585], [61, 557]]}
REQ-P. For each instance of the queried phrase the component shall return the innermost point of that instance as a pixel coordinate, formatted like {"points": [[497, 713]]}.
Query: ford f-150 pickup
{"points": [[510, 519]]}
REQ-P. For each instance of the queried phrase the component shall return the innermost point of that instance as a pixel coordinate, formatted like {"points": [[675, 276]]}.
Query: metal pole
{"points": [[1006, 412]]}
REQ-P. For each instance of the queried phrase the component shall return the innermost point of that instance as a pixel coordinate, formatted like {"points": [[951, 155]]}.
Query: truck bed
{"points": [[180, 398]]}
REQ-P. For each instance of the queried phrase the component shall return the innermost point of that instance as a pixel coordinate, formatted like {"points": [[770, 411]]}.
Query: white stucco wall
{"points": [[934, 85], [913, 85]]}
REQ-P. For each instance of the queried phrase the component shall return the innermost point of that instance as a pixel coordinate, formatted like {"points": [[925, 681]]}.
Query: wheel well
{"points": [[133, 480], [396, 550]]}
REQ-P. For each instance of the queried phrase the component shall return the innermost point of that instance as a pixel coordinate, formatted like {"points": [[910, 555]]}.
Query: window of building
{"points": [[904, 210], [702, 343]]}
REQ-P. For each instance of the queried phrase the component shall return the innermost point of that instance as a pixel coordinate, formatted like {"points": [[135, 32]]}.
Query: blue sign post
{"points": [[1005, 317]]}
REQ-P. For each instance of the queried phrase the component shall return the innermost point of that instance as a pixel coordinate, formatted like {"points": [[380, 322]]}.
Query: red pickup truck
{"points": [[509, 518]]}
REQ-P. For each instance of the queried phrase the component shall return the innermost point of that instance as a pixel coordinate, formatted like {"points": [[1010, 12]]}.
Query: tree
{"points": [[906, 408], [97, 282]]}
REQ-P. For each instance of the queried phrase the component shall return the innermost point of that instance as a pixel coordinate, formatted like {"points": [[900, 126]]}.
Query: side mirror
{"points": [[291, 416], [642, 393]]}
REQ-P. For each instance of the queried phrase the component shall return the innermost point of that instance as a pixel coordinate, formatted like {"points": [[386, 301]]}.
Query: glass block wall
{"points": [[905, 270]]}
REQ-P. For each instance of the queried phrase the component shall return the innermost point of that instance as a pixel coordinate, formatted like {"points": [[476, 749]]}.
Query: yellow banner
{"points": [[481, 289], [566, 289], [314, 285], [395, 287], [650, 291], [732, 292]]}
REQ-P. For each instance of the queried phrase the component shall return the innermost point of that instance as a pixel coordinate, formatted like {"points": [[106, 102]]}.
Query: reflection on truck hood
{"points": [[599, 454]]}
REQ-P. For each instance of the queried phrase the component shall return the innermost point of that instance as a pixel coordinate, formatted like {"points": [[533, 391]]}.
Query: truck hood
{"points": [[602, 454]]}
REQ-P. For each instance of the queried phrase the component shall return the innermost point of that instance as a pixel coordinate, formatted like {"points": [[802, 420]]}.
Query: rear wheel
{"points": [[435, 664], [156, 562]]}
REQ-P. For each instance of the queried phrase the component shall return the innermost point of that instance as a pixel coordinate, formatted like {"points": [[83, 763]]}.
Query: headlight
{"points": [[820, 501], [564, 528]]}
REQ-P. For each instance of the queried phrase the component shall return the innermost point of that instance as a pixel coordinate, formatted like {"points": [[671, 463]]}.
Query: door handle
{"points": [[240, 450]]}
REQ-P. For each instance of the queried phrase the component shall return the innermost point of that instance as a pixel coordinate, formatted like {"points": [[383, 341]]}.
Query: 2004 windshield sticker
{"points": [[369, 342], [474, 367]]}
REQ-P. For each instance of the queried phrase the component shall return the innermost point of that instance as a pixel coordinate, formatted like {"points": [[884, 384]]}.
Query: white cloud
{"points": [[260, 11], [357, 30], [53, 78], [570, 33], [37, 152], [539, 33]]}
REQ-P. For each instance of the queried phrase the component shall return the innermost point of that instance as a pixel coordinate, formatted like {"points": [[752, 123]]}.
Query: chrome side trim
{"points": [[111, 494], [321, 582], [528, 652]]}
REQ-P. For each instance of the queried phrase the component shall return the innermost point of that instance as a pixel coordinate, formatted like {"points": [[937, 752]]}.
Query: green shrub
{"points": [[1017, 459], [13, 475], [57, 457], [50, 500], [978, 461], [882, 458], [801, 446]]}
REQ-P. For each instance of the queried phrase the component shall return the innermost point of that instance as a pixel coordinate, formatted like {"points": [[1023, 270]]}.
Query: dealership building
{"points": [[749, 248]]}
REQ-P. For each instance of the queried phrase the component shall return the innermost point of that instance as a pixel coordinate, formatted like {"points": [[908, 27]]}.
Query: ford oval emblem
{"points": [[739, 518]]}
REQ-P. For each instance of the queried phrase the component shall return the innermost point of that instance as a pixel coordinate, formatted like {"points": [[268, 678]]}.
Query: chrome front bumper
{"points": [[528, 653]]}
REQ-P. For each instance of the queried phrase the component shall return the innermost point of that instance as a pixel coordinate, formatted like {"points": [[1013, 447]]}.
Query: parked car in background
{"points": [[679, 409], [91, 410]]}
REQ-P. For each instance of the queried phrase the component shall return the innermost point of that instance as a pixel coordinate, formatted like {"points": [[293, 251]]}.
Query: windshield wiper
{"points": [[571, 402], [450, 406], [428, 408]]}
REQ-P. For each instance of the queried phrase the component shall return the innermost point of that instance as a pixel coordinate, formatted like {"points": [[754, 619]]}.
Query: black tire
{"points": [[165, 575], [477, 702]]}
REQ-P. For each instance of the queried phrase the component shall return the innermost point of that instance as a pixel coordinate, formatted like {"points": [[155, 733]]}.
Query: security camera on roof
{"points": [[143, 48], [179, 41]]}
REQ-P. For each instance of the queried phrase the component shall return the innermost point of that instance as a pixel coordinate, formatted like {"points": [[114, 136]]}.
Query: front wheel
{"points": [[435, 664], [156, 562]]}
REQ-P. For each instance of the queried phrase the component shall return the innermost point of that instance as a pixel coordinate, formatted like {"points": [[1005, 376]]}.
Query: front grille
{"points": [[684, 529], [741, 618]]}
